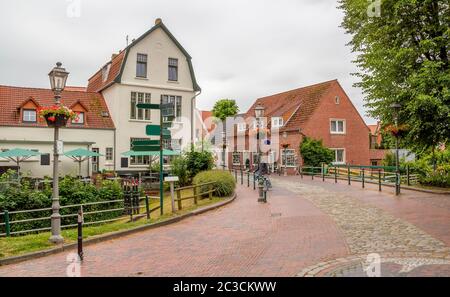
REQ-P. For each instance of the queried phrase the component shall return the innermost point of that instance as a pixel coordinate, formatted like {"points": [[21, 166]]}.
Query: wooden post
{"points": [[235, 174], [211, 188], [147, 207], [301, 172], [195, 195], [179, 199]]}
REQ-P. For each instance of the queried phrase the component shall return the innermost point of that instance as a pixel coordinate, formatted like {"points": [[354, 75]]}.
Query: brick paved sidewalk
{"points": [[304, 223]]}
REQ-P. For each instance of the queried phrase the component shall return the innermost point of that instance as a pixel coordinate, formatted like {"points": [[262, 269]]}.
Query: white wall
{"points": [[159, 47], [42, 140]]}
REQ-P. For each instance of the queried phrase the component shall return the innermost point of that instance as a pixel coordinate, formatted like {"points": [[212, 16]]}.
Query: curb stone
{"points": [[113, 235]]}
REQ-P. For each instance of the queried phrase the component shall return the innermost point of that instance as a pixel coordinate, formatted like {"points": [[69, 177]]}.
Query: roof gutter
{"points": [[192, 118]]}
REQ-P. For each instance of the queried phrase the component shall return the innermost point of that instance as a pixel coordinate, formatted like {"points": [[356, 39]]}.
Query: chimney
{"points": [[113, 56], [158, 21]]}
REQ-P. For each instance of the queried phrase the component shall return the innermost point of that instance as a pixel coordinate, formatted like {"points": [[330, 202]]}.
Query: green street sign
{"points": [[147, 148], [153, 130], [148, 106], [145, 142]]}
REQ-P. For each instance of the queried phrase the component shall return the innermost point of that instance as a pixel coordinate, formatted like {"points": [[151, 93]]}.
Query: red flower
{"points": [[51, 119]]}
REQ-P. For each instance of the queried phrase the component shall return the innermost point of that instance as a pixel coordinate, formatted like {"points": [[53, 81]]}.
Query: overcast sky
{"points": [[241, 49]]}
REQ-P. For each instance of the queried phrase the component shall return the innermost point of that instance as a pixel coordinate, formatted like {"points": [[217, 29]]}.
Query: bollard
{"points": [[312, 173], [335, 175], [248, 179], [80, 233], [242, 177], [397, 183], [379, 180], [363, 178], [301, 172], [348, 173], [323, 172], [407, 176], [147, 207], [235, 175], [7, 225], [179, 199], [254, 181]]}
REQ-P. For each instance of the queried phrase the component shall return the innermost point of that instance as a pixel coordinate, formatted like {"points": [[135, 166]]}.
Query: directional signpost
{"points": [[155, 145]]}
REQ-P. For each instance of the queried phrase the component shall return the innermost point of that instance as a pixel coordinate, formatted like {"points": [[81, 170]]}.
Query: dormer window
{"points": [[79, 120], [141, 66], [29, 115], [105, 71], [277, 122], [337, 100]]}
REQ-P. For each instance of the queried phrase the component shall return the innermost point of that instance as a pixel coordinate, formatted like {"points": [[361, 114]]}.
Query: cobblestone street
{"points": [[308, 228]]}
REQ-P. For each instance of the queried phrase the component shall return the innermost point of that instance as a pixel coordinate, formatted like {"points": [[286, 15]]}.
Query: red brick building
{"points": [[321, 111]]}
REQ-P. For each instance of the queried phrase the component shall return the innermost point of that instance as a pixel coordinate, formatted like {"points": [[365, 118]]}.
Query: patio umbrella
{"points": [[165, 153], [80, 155], [18, 155]]}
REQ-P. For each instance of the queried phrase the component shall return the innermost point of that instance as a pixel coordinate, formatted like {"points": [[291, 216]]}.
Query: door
{"points": [[95, 168]]}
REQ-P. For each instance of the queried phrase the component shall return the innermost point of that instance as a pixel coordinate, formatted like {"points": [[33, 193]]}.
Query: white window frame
{"points": [[259, 120], [241, 127], [277, 122], [81, 119], [140, 97], [236, 154], [335, 156], [289, 153], [27, 120], [178, 103], [109, 154], [344, 126]]}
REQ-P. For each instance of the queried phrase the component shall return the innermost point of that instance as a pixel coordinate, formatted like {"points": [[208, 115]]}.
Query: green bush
{"points": [[198, 162], [437, 179], [179, 167], [224, 182], [314, 153]]}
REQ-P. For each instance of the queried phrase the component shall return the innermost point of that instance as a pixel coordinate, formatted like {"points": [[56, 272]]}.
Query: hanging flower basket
{"points": [[57, 116], [396, 131]]}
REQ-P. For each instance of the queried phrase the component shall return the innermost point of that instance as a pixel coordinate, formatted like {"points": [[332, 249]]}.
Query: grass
{"points": [[18, 245]]}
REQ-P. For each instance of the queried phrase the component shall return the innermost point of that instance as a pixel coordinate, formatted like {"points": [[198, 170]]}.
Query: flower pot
{"points": [[56, 120]]}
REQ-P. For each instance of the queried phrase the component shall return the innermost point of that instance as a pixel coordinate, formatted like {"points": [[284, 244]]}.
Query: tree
{"points": [[314, 153], [403, 57], [223, 109]]}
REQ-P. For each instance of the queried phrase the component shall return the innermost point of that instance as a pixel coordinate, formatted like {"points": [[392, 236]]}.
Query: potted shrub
{"points": [[57, 115]]}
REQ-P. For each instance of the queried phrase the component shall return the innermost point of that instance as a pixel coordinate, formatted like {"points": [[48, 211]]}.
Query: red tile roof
{"points": [[295, 106], [205, 115], [96, 82], [12, 98], [374, 129]]}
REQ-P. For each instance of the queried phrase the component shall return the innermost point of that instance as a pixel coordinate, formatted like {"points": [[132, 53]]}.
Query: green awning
{"points": [[81, 152], [17, 153], [165, 153]]}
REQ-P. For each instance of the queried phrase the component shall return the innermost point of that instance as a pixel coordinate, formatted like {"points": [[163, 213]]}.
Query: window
{"points": [[139, 160], [288, 157], [339, 156], [277, 122], [255, 159], [169, 114], [259, 123], [79, 120], [236, 158], [173, 69], [105, 71], [29, 115], [241, 127], [172, 144], [139, 113], [141, 66], [337, 126], [109, 154], [337, 100]]}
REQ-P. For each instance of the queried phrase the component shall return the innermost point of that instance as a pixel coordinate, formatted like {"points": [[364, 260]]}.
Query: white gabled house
{"points": [[154, 68]]}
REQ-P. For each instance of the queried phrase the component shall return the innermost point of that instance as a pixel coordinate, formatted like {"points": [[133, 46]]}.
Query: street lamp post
{"points": [[259, 114], [396, 108], [58, 77], [285, 146], [224, 147]]}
